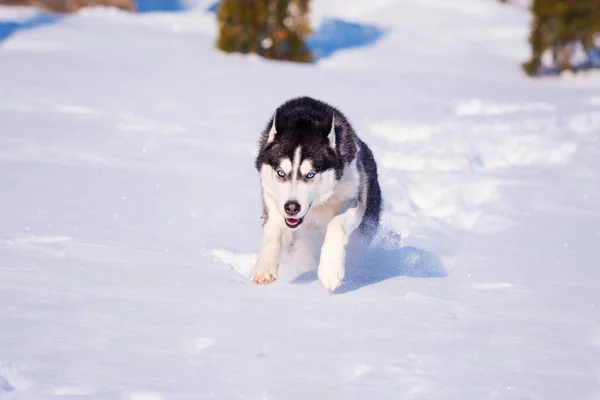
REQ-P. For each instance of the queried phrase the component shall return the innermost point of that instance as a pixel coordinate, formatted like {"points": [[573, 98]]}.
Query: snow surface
{"points": [[130, 213]]}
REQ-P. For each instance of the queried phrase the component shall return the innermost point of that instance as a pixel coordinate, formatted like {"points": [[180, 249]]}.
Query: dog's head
{"points": [[298, 163]]}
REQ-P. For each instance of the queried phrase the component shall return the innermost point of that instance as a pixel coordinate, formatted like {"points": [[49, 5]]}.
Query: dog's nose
{"points": [[292, 208]]}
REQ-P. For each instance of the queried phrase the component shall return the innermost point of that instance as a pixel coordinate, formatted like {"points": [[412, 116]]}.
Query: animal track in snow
{"points": [[458, 201], [447, 166], [469, 146]]}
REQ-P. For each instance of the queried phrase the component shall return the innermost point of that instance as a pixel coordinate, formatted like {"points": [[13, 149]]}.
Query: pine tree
{"points": [[559, 26], [274, 29], [545, 16]]}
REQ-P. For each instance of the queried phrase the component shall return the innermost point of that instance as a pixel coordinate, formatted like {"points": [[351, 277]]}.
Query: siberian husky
{"points": [[319, 186]]}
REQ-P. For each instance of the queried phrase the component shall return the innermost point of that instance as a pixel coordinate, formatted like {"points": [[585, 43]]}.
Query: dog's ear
{"points": [[273, 130], [331, 134]]}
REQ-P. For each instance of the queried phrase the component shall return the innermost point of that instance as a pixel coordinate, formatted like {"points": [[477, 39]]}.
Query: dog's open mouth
{"points": [[293, 222]]}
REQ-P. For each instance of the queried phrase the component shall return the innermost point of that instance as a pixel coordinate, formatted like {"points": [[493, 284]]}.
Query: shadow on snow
{"points": [[334, 35], [7, 28], [146, 6], [385, 259], [213, 7]]}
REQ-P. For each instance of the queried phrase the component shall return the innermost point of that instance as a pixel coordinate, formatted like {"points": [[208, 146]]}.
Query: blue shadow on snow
{"points": [[5, 385], [335, 34], [213, 7], [385, 259], [10, 27], [146, 6], [7, 28]]}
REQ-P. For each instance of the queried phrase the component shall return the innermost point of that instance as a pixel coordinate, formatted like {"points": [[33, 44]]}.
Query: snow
{"points": [[130, 213]]}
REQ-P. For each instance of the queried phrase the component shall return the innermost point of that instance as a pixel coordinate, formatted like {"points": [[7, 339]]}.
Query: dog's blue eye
{"points": [[281, 173], [310, 175]]}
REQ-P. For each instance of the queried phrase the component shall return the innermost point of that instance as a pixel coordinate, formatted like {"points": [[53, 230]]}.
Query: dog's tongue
{"points": [[292, 221]]}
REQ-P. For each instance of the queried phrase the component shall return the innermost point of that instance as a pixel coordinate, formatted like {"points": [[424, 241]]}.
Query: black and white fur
{"points": [[319, 185]]}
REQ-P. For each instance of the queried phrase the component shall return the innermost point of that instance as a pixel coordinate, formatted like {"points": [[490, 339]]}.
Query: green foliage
{"points": [[558, 27], [274, 29]]}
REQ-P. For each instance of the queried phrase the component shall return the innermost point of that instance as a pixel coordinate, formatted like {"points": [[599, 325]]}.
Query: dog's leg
{"points": [[267, 264], [333, 252]]}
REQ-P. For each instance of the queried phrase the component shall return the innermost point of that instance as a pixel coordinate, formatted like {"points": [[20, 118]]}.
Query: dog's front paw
{"points": [[331, 271], [264, 272]]}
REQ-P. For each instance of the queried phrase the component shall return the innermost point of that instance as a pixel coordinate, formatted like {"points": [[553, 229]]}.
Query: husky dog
{"points": [[319, 183]]}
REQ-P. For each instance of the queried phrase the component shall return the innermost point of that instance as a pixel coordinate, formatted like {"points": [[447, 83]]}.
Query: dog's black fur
{"points": [[307, 122]]}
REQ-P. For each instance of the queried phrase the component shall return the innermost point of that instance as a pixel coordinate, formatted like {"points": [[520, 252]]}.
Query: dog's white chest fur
{"points": [[327, 225]]}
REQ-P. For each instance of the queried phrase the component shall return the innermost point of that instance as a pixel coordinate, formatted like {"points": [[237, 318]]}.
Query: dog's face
{"points": [[298, 169]]}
